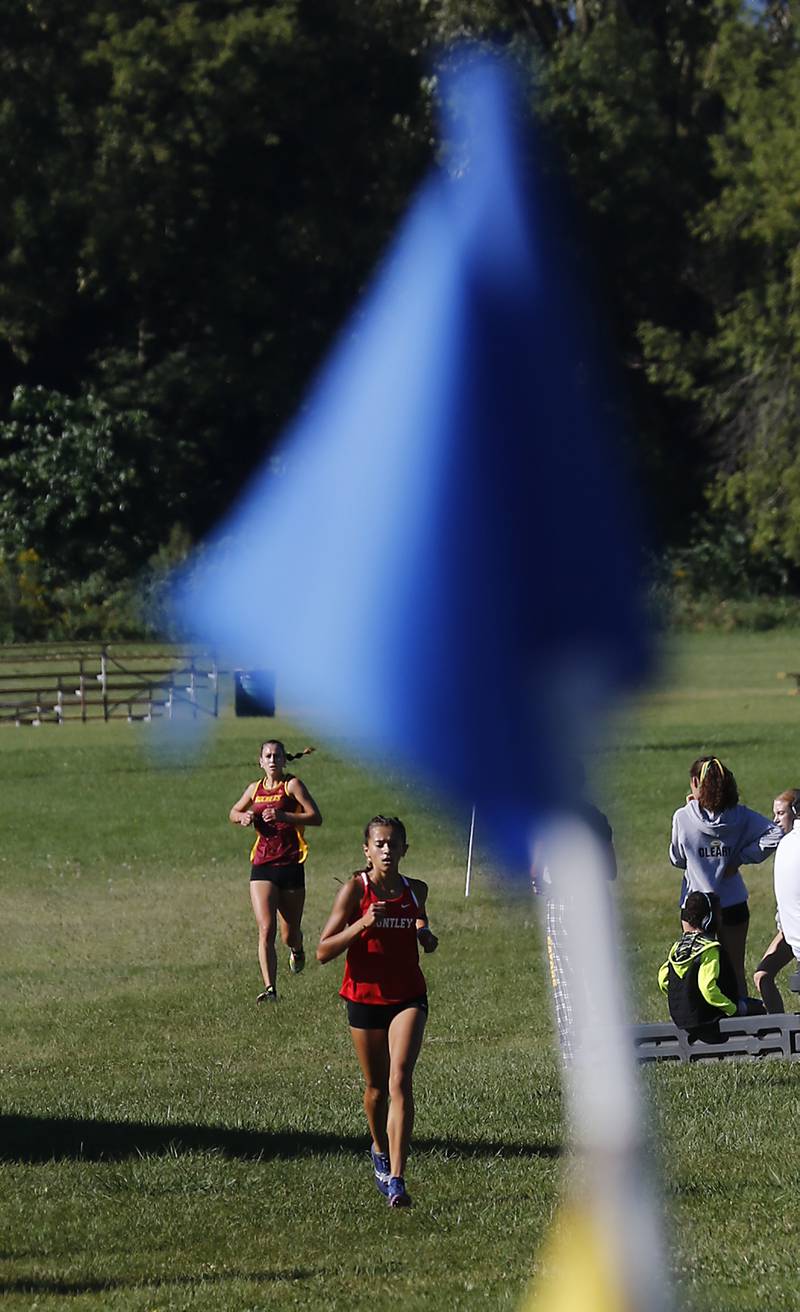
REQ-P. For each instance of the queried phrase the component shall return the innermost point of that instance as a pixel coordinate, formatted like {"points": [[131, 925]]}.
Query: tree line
{"points": [[197, 192]]}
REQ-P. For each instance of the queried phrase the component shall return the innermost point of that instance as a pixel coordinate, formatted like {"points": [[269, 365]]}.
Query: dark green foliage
{"points": [[196, 193], [741, 374], [628, 102], [678, 124], [77, 483], [82, 492]]}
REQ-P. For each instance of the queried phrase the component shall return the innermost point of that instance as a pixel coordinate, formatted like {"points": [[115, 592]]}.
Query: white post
{"points": [[614, 1240], [192, 690], [103, 678], [469, 854]]}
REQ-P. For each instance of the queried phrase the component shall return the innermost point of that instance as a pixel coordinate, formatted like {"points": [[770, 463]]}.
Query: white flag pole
{"points": [[611, 1181], [469, 854]]}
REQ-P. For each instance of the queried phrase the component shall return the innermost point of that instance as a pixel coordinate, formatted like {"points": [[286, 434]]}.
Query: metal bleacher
{"points": [[55, 682], [735, 1038]]}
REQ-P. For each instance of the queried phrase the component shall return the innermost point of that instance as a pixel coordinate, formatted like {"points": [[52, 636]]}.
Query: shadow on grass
{"points": [[44, 1139], [99, 1285], [148, 765], [684, 745]]}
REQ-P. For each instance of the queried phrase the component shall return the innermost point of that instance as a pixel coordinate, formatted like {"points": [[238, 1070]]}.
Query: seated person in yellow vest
{"points": [[697, 977]]}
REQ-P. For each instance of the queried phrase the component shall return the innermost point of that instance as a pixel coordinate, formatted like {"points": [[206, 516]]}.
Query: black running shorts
{"points": [[377, 1016], [287, 878]]}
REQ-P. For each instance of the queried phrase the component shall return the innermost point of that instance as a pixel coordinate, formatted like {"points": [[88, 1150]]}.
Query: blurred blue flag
{"points": [[441, 565]]}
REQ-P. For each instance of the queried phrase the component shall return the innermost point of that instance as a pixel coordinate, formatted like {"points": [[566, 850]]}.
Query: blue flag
{"points": [[441, 563]]}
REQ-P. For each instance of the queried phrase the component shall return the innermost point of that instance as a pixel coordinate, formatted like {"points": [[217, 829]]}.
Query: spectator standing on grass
{"points": [[697, 977], [787, 885], [779, 953], [379, 917], [712, 836], [279, 807]]}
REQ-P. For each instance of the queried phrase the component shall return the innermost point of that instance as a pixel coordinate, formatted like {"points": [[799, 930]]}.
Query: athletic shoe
{"points": [[297, 959], [269, 995], [397, 1192], [382, 1169]]}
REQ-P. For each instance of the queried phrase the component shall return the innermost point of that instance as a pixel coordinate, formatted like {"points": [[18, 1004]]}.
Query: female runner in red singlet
{"points": [[378, 918], [279, 807]]}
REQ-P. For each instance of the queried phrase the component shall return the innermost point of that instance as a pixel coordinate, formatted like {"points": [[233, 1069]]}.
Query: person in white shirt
{"points": [[787, 884], [779, 953]]}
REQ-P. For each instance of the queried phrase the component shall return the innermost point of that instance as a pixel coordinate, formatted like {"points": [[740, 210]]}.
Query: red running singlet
{"points": [[382, 964], [278, 843]]}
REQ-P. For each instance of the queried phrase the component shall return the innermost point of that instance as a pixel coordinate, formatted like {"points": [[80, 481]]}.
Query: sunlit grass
{"points": [[166, 1144]]}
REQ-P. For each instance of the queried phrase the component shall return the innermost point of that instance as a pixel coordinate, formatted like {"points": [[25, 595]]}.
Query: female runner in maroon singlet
{"points": [[378, 918], [279, 807]]}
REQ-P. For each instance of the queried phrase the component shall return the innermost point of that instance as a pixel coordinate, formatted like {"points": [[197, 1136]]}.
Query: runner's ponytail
{"points": [[717, 788]]}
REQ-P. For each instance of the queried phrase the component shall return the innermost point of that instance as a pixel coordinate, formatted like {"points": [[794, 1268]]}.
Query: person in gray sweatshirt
{"points": [[712, 836]]}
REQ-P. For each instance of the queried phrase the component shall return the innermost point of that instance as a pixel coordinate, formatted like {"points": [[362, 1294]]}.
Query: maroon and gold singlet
{"points": [[382, 964], [279, 843]]}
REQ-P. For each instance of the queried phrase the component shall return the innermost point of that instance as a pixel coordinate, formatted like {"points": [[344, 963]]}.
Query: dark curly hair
{"points": [[717, 790]]}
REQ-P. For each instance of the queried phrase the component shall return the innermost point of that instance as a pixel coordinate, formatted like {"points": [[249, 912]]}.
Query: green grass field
{"points": [[168, 1145]]}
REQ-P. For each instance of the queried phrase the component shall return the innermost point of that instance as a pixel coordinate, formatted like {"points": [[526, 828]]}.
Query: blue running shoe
{"points": [[397, 1192], [380, 1165]]}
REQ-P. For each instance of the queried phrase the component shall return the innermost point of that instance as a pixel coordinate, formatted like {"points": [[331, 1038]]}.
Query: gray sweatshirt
{"points": [[705, 845]]}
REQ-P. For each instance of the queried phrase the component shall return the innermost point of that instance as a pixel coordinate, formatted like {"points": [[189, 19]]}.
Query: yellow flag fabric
{"points": [[578, 1272]]}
